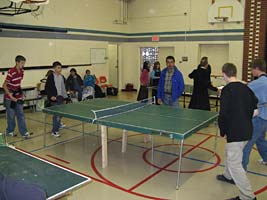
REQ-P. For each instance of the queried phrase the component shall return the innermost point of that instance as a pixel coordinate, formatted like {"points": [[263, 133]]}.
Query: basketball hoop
{"points": [[221, 19]]}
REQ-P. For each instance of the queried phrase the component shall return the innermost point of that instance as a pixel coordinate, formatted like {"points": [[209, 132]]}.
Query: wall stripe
{"points": [[64, 36], [76, 30]]}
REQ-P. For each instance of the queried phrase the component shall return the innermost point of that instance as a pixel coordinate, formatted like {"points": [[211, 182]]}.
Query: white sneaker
{"points": [[55, 134], [262, 162], [11, 134], [26, 135], [62, 125]]}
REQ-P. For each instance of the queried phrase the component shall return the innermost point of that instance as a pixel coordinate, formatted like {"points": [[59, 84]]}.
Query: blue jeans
{"points": [[168, 101], [11, 114], [79, 90], [258, 137], [56, 118]]}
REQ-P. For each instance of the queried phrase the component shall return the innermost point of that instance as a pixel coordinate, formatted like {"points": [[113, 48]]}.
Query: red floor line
{"points": [[216, 164], [120, 188], [58, 159], [166, 166], [93, 178], [108, 182], [261, 190]]}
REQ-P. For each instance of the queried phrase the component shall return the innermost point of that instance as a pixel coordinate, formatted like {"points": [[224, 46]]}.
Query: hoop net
{"points": [[221, 19]]}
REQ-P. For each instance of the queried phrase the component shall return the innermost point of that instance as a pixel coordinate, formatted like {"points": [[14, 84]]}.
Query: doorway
{"points": [[113, 65]]}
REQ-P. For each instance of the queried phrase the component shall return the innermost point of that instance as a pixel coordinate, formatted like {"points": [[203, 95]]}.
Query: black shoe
{"points": [[224, 179], [237, 198]]}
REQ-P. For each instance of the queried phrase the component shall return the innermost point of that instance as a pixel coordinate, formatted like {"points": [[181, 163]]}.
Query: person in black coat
{"points": [[202, 82], [74, 83]]}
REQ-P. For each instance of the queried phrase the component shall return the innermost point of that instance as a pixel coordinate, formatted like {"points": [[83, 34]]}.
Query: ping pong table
{"points": [[143, 117], [54, 180]]}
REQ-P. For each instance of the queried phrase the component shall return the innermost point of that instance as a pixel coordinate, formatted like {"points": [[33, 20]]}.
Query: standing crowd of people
{"points": [[242, 117]]}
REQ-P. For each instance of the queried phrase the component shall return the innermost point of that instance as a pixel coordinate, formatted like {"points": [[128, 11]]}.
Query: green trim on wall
{"points": [[77, 30]]}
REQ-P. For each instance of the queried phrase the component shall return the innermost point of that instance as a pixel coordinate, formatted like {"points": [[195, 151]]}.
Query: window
{"points": [[150, 54]]}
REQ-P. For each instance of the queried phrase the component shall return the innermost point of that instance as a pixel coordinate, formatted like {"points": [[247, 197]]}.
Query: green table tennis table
{"points": [[54, 180], [143, 117]]}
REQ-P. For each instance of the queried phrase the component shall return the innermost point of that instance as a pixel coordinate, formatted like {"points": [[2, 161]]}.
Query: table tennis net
{"points": [[125, 108]]}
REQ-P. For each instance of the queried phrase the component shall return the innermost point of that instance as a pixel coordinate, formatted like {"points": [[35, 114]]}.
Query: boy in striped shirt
{"points": [[14, 99]]}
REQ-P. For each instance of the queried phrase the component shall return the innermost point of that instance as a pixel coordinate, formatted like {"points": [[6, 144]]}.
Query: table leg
{"points": [[45, 123], [152, 147], [216, 138], [184, 100], [104, 139], [179, 164], [98, 134], [83, 129], [124, 141]]}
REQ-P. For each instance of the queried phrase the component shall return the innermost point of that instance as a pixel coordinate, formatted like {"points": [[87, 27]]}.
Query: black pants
{"points": [[143, 93]]}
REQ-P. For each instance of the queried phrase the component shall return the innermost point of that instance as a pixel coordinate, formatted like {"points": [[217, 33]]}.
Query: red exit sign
{"points": [[155, 38]]}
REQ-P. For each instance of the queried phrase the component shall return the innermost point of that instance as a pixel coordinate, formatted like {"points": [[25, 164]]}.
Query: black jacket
{"points": [[238, 103], [200, 96], [70, 82], [50, 87]]}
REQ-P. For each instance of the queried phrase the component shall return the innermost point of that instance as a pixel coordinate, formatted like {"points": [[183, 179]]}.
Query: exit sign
{"points": [[155, 38]]}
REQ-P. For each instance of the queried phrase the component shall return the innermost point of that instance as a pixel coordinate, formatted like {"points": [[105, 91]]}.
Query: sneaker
{"points": [[237, 198], [224, 179], [11, 134], [55, 134], [62, 125], [262, 162], [26, 135]]}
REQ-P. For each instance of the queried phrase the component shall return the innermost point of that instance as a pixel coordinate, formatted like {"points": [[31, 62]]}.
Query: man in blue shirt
{"points": [[259, 87], [171, 84]]}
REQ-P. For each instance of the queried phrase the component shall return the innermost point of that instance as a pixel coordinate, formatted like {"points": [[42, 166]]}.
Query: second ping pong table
{"points": [[54, 180], [142, 117]]}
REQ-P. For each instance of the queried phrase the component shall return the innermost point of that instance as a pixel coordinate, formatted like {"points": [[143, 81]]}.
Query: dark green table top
{"points": [[54, 180], [150, 119]]}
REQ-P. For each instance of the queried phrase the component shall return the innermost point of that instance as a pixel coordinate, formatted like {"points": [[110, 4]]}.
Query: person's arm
{"points": [[224, 111], [48, 88], [192, 74], [153, 74], [160, 89], [8, 79], [63, 85], [255, 102], [7, 92], [211, 87], [68, 83], [181, 85]]}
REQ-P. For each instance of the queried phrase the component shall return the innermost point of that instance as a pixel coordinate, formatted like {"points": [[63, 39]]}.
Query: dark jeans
{"points": [[17, 112], [56, 118]]}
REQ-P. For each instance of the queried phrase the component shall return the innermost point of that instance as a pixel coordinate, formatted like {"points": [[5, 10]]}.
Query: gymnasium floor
{"points": [[131, 175]]}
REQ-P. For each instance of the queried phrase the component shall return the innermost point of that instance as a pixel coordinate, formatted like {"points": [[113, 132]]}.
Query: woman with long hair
{"points": [[144, 82]]}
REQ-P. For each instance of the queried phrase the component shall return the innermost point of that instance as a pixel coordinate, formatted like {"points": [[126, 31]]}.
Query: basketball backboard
{"points": [[226, 11], [18, 7]]}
